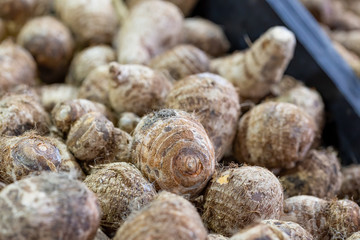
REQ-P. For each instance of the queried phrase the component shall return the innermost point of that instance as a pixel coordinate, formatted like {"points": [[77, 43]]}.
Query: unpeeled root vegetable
{"points": [[239, 197], [214, 236], [100, 235], [181, 61], [215, 103], [151, 28], [355, 236], [317, 175], [20, 113], [50, 95], [185, 5], [205, 35], [274, 135], [87, 60], [350, 187], [92, 137], [92, 22], [121, 189], [128, 121], [351, 58], [307, 99], [136, 88], [260, 231], [172, 150], [293, 230], [96, 85], [256, 69], [286, 84], [309, 212], [50, 43], [349, 39], [49, 206], [17, 66], [64, 114], [167, 217]]}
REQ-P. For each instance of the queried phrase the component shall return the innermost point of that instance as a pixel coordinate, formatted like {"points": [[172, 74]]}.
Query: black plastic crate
{"points": [[315, 61]]}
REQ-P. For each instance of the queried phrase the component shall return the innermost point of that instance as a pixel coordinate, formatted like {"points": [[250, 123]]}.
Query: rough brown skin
{"points": [[20, 113], [239, 197], [169, 216], [121, 189], [96, 85], [286, 84], [50, 42], [151, 28], [309, 212], [92, 137], [350, 187], [52, 94], [349, 39], [260, 231], [215, 103], [64, 114], [17, 66], [205, 35], [343, 219], [355, 236], [136, 88], [181, 61], [49, 206], [87, 60], [173, 151], [185, 5], [128, 121], [98, 20], [309, 100], [256, 69], [317, 175], [274, 135], [214, 236], [293, 230]]}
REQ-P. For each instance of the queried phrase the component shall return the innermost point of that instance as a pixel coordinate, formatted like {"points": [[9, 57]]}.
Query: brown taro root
{"points": [[307, 99], [343, 219], [49, 206], [214, 236], [52, 94], [31, 153], [64, 114], [92, 137], [128, 121], [350, 187], [136, 88], [20, 113], [91, 21], [17, 66], [173, 151], [239, 197], [185, 5], [260, 231], [215, 103], [355, 236], [317, 175], [169, 216], [349, 39], [256, 69], [121, 189], [293, 230], [96, 85], [87, 60], [309, 212], [100, 235], [151, 28], [181, 61], [50, 43], [205, 35], [274, 135]]}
